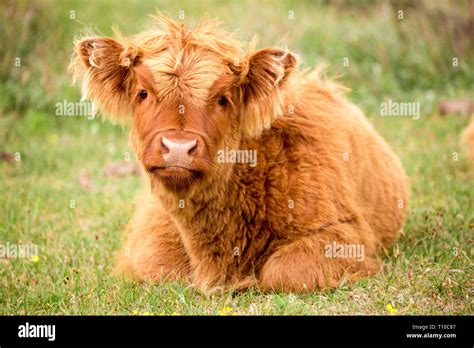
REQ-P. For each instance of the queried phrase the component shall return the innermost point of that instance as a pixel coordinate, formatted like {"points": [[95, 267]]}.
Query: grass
{"points": [[429, 270]]}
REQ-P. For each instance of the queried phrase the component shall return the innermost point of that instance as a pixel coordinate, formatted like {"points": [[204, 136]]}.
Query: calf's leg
{"points": [[310, 264], [153, 249]]}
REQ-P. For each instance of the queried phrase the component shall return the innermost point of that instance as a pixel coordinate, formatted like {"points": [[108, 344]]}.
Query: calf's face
{"points": [[182, 117], [184, 101]]}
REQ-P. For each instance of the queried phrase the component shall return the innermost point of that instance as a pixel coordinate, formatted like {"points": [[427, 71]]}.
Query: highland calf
{"points": [[322, 177]]}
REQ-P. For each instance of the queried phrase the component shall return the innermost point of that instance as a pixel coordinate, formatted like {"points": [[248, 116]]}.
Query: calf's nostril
{"points": [[193, 149], [164, 149]]}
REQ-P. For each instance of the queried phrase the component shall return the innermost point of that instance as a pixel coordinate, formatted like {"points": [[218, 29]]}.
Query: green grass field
{"points": [[429, 270]]}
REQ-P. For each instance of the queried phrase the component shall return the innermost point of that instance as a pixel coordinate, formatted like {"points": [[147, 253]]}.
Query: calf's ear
{"points": [[104, 70], [262, 85]]}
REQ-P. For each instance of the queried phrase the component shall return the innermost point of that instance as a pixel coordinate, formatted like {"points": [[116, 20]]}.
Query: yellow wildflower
{"points": [[226, 311], [391, 309], [52, 139]]}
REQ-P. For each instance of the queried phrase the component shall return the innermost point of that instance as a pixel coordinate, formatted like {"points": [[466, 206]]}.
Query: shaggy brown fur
{"points": [[322, 175]]}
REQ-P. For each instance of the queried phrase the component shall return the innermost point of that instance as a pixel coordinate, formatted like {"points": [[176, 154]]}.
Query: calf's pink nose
{"points": [[178, 152]]}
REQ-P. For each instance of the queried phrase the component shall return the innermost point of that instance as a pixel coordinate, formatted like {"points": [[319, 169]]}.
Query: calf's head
{"points": [[185, 93]]}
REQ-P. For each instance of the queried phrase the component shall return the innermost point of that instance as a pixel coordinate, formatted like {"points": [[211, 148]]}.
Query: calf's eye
{"points": [[142, 94], [222, 101]]}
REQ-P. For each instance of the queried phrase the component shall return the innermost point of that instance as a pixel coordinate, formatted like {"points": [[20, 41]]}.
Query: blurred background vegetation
{"points": [[428, 271], [409, 59]]}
